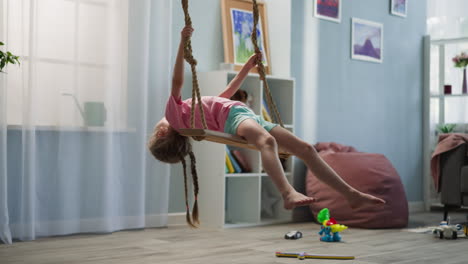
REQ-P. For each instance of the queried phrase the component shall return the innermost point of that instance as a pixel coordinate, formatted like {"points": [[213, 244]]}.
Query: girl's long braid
{"points": [[195, 189], [187, 215]]}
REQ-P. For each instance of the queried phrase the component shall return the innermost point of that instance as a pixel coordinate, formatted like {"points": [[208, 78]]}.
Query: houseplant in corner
{"points": [[7, 57], [461, 61]]}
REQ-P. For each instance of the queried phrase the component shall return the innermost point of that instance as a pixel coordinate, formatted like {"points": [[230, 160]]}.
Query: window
{"points": [[68, 48], [449, 22]]}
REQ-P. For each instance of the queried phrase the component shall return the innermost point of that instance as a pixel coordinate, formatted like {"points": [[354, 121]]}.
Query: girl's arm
{"points": [[178, 74], [234, 85]]}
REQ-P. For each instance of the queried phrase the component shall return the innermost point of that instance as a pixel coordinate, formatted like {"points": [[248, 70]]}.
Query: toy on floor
{"points": [[293, 235], [445, 230], [330, 229], [303, 255]]}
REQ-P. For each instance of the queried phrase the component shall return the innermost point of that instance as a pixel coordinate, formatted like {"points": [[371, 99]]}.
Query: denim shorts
{"points": [[238, 113]]}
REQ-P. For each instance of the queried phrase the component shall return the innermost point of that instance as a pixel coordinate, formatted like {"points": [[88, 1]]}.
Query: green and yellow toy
{"points": [[330, 229]]}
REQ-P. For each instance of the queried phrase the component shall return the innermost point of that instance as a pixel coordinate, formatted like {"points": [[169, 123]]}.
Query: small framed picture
{"points": [[399, 7], [237, 18], [328, 10], [366, 40]]}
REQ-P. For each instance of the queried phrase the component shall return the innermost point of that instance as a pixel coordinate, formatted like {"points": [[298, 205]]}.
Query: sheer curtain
{"points": [[76, 115], [447, 19]]}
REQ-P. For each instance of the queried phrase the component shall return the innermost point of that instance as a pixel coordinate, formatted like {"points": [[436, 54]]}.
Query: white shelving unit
{"points": [[439, 107], [241, 199]]}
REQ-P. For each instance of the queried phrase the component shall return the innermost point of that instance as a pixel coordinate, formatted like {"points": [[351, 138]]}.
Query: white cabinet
{"points": [[439, 107], [241, 199]]}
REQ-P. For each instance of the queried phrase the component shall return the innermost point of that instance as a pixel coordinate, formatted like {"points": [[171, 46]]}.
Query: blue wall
{"points": [[373, 107]]}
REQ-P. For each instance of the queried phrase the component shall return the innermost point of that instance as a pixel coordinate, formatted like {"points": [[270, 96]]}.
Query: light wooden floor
{"points": [[180, 244]]}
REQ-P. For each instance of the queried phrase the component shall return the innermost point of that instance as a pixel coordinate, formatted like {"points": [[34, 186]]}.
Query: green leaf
{"points": [[7, 57], [446, 128]]}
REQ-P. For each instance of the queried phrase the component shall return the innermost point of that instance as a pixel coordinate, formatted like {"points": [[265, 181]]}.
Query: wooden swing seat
{"points": [[223, 138]]}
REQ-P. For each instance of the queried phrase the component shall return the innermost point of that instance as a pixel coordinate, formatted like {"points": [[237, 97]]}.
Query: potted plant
{"points": [[446, 128], [461, 61], [7, 57]]}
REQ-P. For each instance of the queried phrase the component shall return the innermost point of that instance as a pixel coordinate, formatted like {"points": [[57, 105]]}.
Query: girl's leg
{"points": [[258, 136], [303, 150]]}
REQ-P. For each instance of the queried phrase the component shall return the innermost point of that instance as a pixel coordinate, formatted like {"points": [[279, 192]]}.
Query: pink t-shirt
{"points": [[216, 111]]}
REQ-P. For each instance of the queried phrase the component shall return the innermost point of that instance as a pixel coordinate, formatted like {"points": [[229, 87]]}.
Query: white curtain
{"points": [[447, 18], [76, 115]]}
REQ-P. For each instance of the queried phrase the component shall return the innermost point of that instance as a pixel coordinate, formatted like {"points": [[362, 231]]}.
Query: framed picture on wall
{"points": [[237, 19], [398, 7], [366, 40], [328, 10]]}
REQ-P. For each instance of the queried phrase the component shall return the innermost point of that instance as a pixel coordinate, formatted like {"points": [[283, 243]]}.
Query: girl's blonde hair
{"points": [[174, 148]]}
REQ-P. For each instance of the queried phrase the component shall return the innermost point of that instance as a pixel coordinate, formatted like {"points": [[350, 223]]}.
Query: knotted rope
{"points": [[188, 56], [196, 97], [261, 67]]}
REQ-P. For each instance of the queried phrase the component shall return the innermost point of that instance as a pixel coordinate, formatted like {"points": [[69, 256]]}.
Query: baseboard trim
{"points": [[176, 219], [416, 207]]}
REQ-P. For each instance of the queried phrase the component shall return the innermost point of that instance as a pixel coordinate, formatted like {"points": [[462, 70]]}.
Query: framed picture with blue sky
{"points": [[237, 19]]}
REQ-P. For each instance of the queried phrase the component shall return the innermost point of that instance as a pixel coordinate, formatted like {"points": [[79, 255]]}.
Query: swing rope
{"points": [[214, 136], [261, 67], [188, 56]]}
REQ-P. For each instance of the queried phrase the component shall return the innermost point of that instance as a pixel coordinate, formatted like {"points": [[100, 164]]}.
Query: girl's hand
{"points": [[186, 32], [252, 61]]}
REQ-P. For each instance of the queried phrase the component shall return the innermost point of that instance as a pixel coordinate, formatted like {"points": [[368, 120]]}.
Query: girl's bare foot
{"points": [[357, 199], [294, 199]]}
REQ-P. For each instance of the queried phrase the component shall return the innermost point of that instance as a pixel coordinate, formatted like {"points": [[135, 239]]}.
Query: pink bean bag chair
{"points": [[367, 172]]}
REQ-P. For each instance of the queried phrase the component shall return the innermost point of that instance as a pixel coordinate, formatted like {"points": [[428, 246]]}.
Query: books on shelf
{"points": [[266, 111], [265, 105], [237, 168], [236, 162], [265, 115], [229, 166], [242, 160]]}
